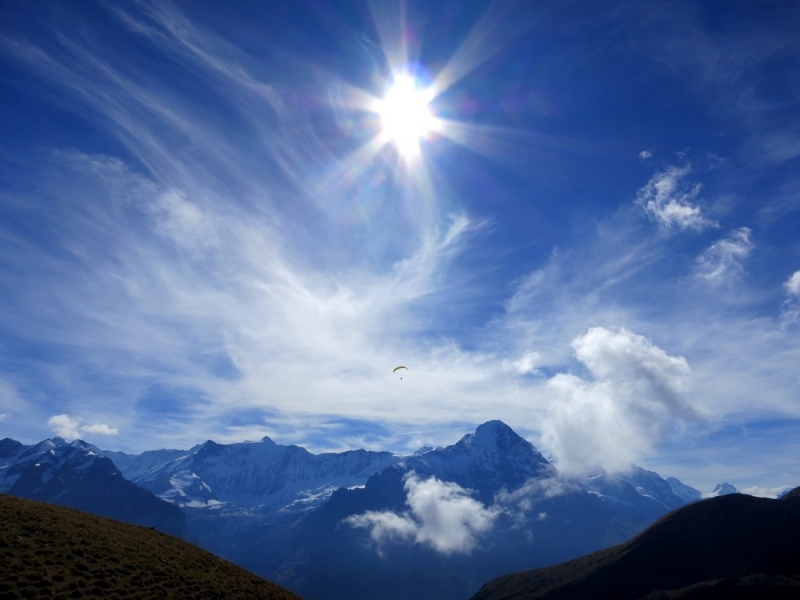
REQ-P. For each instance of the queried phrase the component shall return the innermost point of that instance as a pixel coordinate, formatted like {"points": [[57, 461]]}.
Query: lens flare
{"points": [[405, 115]]}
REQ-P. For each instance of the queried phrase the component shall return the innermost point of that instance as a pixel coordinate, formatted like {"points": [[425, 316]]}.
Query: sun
{"points": [[406, 117]]}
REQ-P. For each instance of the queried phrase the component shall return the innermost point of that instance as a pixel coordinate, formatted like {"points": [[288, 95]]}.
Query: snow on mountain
{"points": [[683, 491], [267, 477], [77, 475], [496, 505], [16, 457], [491, 459], [256, 476], [136, 466], [721, 489], [629, 488]]}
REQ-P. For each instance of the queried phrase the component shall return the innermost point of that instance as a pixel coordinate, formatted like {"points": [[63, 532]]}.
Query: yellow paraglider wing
{"points": [[398, 368]]}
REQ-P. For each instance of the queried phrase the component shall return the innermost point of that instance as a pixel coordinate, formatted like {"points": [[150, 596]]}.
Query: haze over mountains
{"points": [[360, 524]]}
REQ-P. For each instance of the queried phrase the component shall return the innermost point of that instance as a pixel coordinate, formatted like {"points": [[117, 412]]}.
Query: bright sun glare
{"points": [[405, 115]]}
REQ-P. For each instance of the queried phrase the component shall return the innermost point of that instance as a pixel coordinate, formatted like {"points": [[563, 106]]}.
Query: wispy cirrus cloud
{"points": [[193, 273], [790, 309], [723, 261]]}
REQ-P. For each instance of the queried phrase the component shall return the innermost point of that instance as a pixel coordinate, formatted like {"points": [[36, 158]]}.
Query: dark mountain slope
{"points": [[733, 546], [74, 475], [53, 552]]}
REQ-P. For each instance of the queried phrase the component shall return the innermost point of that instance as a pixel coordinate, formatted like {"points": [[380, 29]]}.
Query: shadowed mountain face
{"points": [[75, 475], [52, 552], [732, 546]]}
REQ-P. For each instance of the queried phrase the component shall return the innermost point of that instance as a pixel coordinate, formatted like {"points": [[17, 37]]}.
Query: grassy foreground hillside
{"points": [[48, 551]]}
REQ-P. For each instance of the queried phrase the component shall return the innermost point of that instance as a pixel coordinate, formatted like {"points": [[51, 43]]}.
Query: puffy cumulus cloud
{"points": [[442, 516], [645, 154], [67, 427], [617, 415], [792, 285], [671, 203], [722, 261], [64, 426]]}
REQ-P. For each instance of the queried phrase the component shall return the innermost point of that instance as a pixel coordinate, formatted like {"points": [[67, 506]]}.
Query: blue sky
{"points": [[206, 231]]}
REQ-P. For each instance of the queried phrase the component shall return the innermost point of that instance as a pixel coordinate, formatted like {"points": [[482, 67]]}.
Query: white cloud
{"points": [[792, 285], [66, 427], [10, 398], [722, 261], [645, 154], [790, 310], [526, 364], [442, 516], [4, 416], [619, 414], [670, 202], [182, 220], [100, 429], [765, 492], [549, 487]]}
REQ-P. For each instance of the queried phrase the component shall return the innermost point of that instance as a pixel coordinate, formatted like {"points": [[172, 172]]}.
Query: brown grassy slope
{"points": [[48, 551], [729, 547]]}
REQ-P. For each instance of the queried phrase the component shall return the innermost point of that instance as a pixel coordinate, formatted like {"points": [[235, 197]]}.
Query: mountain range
{"points": [[435, 524]]}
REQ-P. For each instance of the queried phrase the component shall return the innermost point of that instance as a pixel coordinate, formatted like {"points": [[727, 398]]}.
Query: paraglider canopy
{"points": [[398, 368]]}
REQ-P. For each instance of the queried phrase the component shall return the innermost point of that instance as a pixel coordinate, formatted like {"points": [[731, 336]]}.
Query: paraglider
{"points": [[398, 368]]}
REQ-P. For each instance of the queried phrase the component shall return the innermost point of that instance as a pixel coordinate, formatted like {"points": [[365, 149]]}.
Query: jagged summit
{"points": [[493, 434], [485, 461], [722, 489]]}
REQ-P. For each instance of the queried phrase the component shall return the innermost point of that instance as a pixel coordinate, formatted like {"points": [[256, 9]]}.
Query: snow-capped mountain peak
{"points": [[251, 476], [492, 458], [721, 489]]}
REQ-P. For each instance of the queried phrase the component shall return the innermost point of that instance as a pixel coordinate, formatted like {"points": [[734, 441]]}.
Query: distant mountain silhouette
{"points": [[53, 552], [733, 547]]}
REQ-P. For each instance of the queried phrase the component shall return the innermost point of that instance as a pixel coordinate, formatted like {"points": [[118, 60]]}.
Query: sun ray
{"points": [[498, 26]]}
